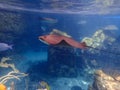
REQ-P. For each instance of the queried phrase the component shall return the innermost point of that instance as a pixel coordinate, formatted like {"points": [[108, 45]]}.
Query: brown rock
{"points": [[104, 81]]}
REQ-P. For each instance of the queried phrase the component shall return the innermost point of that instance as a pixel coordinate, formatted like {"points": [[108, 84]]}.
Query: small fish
{"points": [[53, 39], [43, 28], [48, 20], [111, 27], [82, 22], [4, 46]]}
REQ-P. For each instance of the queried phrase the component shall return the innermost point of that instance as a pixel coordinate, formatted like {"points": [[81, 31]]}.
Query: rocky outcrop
{"points": [[100, 39], [62, 61], [103, 81]]}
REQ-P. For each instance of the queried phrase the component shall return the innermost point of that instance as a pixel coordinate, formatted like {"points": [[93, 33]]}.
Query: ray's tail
{"points": [[102, 50], [83, 45]]}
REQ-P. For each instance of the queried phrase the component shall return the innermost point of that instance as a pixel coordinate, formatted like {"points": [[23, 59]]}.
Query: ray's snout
{"points": [[40, 37]]}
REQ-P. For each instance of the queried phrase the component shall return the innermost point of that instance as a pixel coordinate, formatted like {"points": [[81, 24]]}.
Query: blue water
{"points": [[66, 68]]}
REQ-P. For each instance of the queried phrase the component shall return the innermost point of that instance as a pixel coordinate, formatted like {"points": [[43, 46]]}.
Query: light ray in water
{"points": [[48, 20]]}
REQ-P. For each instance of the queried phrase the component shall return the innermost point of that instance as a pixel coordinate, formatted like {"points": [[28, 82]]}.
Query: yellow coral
{"points": [[3, 87], [43, 83], [12, 74], [4, 64]]}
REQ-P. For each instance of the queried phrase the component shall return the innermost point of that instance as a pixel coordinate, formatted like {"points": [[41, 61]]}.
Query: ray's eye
{"points": [[44, 36]]}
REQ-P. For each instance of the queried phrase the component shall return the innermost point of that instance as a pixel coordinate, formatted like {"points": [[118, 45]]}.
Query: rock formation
{"points": [[103, 81], [61, 61]]}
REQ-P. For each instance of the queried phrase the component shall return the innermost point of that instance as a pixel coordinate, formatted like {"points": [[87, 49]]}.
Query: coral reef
{"points": [[103, 81], [4, 64], [43, 85], [98, 40], [11, 75], [14, 74]]}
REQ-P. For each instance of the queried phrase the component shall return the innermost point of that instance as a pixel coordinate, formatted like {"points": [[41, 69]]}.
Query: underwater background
{"points": [[61, 66]]}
